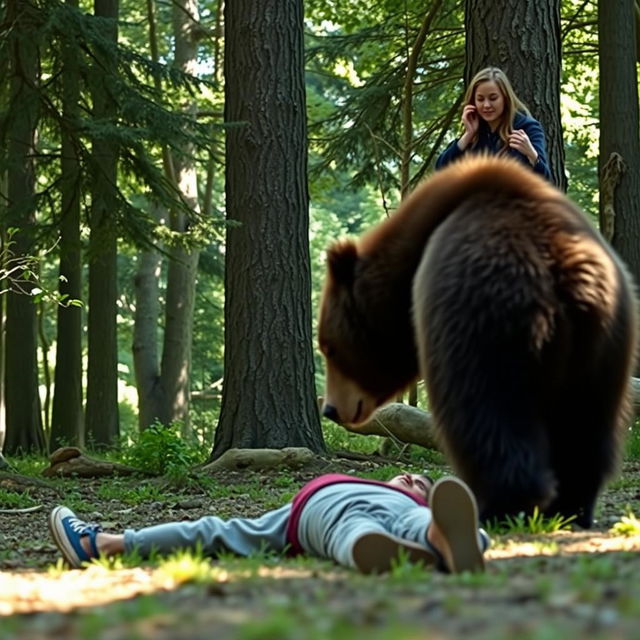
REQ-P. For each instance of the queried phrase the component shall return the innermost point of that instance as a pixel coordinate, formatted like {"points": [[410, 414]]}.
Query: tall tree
{"points": [[619, 161], [102, 372], [23, 416], [164, 387], [523, 39], [269, 398], [4, 97], [66, 417]]}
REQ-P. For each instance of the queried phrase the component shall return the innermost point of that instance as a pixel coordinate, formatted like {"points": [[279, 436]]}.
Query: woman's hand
{"points": [[519, 141], [471, 123], [470, 120]]}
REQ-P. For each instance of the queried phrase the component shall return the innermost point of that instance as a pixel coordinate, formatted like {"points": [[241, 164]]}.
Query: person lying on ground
{"points": [[358, 523]]}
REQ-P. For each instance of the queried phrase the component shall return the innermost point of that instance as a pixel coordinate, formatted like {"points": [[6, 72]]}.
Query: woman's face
{"points": [[414, 483], [489, 102]]}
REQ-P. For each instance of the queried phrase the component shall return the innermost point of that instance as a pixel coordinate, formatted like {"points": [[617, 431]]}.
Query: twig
{"points": [[25, 510]]}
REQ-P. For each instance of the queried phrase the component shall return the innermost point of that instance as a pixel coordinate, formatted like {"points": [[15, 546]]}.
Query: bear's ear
{"points": [[341, 260]]}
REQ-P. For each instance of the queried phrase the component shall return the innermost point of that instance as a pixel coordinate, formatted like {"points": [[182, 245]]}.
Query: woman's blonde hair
{"points": [[512, 104]]}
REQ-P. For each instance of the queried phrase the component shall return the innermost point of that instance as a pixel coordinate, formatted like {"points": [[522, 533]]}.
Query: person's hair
{"points": [[512, 104]]}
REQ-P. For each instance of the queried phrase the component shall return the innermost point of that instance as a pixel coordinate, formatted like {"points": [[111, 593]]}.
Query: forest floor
{"points": [[542, 586]]}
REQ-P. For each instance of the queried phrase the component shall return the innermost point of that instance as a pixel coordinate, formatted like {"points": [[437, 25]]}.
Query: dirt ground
{"points": [[544, 586]]}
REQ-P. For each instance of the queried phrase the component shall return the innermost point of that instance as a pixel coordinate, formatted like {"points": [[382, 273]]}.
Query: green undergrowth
{"points": [[16, 500], [534, 523], [632, 445]]}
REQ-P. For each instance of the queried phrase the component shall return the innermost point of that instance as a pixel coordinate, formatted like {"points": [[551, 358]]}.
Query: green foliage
{"points": [[632, 450], [14, 500], [338, 438], [357, 68], [161, 450], [579, 102], [143, 492], [535, 523], [29, 465], [628, 525], [21, 274], [187, 566]]}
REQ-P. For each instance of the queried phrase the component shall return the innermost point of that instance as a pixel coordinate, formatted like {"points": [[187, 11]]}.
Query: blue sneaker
{"points": [[67, 531]]}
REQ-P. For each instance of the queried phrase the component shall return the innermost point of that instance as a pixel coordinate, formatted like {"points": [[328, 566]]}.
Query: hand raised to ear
{"points": [[470, 120]]}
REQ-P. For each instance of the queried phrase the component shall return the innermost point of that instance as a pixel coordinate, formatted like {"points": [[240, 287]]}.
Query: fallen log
{"points": [[415, 426], [70, 461], [400, 422]]}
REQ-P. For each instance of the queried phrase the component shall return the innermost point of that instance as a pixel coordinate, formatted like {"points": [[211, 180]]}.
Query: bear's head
{"points": [[364, 335]]}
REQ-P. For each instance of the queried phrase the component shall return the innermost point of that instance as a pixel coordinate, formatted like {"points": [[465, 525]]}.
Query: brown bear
{"points": [[493, 285]]}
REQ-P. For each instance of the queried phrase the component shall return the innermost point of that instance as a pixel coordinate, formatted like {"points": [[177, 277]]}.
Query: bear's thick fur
{"points": [[493, 286]]}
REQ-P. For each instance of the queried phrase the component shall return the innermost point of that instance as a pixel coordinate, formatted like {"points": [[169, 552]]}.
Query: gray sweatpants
{"points": [[330, 523]]}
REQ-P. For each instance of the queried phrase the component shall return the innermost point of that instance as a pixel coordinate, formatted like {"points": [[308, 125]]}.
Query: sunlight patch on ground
{"points": [[562, 543], [35, 591], [28, 592]]}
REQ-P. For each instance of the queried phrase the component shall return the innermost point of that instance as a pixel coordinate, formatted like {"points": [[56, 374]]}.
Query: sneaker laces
{"points": [[82, 528]]}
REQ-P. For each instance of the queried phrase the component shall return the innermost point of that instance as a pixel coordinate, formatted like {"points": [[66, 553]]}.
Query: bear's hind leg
{"points": [[495, 437], [585, 448], [588, 414]]}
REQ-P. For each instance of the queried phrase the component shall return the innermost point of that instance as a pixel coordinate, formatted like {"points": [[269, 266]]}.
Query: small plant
{"points": [[405, 572], [534, 523], [160, 450], [14, 500], [627, 526], [189, 566], [633, 442], [337, 438]]}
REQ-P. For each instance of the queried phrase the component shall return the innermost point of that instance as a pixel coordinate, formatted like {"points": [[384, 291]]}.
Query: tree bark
{"points": [[23, 416], [4, 93], [164, 388], [268, 394], [522, 38], [619, 161], [183, 263], [102, 373], [66, 416], [146, 365]]}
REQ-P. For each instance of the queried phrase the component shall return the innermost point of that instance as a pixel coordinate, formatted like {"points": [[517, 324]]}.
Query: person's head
{"points": [[495, 100], [415, 483]]}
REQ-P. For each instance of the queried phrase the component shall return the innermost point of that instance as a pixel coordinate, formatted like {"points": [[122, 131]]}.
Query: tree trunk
{"points": [[23, 417], [268, 394], [102, 374], [152, 401], [151, 395], [66, 416], [4, 94], [164, 388], [522, 38], [183, 263], [619, 161]]}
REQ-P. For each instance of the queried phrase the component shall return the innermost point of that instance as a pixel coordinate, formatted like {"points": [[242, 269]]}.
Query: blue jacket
{"points": [[489, 142]]}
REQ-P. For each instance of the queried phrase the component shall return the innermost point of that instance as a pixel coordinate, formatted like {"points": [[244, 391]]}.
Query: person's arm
{"points": [[534, 149], [451, 153], [470, 122]]}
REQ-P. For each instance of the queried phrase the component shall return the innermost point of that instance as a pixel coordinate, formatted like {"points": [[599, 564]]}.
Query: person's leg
{"points": [[353, 530], [377, 551], [79, 541], [453, 531]]}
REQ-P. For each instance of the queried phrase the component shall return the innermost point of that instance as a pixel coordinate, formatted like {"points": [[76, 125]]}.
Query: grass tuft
{"points": [[627, 526], [534, 523]]}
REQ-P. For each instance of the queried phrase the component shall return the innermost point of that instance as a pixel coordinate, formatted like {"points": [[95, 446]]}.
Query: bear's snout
{"points": [[329, 411]]}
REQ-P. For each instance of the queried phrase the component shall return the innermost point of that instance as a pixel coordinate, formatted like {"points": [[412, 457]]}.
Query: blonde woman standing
{"points": [[497, 122]]}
